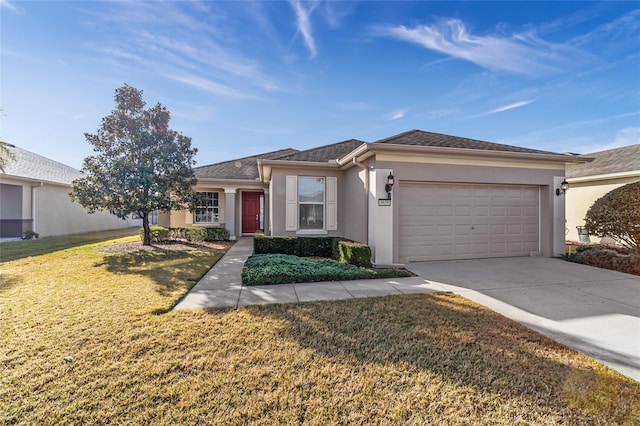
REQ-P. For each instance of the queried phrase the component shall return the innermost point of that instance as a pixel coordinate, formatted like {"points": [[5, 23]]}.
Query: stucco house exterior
{"points": [[451, 198], [34, 196], [610, 169]]}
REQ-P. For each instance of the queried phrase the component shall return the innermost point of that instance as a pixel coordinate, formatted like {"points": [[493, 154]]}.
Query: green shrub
{"points": [[296, 246], [354, 253], [199, 234], [157, 233], [217, 234], [330, 247], [273, 245], [261, 269], [617, 214], [616, 259]]}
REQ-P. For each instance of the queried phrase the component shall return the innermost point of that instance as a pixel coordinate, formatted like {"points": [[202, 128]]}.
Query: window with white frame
{"points": [[207, 205], [310, 202]]}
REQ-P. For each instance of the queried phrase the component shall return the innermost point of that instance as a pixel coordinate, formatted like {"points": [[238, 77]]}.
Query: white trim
{"points": [[311, 232], [291, 212], [608, 176], [331, 203]]}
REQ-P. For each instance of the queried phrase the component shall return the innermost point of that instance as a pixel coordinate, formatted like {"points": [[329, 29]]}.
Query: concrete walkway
{"points": [[222, 286]]}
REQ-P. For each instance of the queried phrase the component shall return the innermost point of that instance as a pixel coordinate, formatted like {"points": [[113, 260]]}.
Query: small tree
{"points": [[617, 214], [5, 155], [141, 164]]}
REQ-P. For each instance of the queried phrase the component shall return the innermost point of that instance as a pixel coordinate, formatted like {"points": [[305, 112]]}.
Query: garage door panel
{"points": [[467, 221]]}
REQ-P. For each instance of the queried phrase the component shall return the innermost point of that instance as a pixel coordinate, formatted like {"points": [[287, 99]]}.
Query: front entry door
{"points": [[250, 212]]}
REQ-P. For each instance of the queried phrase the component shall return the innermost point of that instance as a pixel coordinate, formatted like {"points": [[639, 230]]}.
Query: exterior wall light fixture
{"points": [[389, 186], [564, 185]]}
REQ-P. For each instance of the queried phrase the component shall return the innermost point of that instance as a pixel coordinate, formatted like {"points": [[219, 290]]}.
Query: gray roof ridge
{"points": [[250, 157], [322, 147], [464, 138], [620, 148], [29, 165], [42, 157]]}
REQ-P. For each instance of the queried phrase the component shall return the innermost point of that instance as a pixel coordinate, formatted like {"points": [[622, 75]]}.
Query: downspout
{"points": [[33, 205], [366, 195]]}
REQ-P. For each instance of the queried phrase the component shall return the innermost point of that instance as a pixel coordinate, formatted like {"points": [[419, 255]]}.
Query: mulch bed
{"points": [[210, 246]]}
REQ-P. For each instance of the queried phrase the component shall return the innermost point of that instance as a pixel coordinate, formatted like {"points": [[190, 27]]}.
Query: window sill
{"points": [[311, 232]]}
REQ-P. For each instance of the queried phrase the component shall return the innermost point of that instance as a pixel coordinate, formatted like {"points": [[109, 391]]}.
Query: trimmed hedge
{"points": [[157, 234], [263, 269], [354, 253], [336, 248], [160, 233], [189, 234], [295, 246]]}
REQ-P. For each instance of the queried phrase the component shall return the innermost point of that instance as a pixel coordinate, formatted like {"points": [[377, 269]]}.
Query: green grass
{"points": [[11, 250], [421, 359], [262, 269]]}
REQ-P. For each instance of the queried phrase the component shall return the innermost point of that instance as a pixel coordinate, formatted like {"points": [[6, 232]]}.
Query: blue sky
{"points": [[241, 78]]}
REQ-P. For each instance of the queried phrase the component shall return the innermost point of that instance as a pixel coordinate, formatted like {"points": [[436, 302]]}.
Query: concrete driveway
{"points": [[592, 310]]}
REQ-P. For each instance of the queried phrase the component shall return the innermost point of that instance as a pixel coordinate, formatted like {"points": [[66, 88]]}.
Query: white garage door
{"points": [[441, 221]]}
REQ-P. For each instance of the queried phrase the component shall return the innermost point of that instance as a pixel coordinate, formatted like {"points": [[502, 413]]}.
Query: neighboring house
{"points": [[589, 181], [452, 197], [34, 195]]}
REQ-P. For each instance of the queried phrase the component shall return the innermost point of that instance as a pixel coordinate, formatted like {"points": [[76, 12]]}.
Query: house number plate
{"points": [[384, 202]]}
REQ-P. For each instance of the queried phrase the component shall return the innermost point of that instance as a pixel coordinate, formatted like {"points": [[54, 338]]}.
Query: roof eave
{"points": [[35, 180], [265, 166], [229, 181], [606, 176]]}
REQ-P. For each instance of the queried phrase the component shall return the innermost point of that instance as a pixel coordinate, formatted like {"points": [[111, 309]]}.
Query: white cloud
{"points": [[206, 85], [602, 142], [625, 26], [627, 136], [304, 25], [523, 53], [508, 107], [397, 114], [196, 53], [5, 4]]}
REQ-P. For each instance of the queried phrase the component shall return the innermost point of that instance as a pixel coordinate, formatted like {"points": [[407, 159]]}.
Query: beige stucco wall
{"points": [[582, 194], [56, 214], [353, 212]]}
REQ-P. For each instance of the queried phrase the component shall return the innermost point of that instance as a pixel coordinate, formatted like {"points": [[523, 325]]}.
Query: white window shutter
{"points": [[332, 203], [291, 222]]}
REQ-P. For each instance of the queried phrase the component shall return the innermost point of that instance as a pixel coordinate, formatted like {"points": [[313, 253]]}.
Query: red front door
{"points": [[250, 212]]}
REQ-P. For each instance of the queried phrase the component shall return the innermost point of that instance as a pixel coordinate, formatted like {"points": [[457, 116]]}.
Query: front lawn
{"points": [[84, 340], [10, 250], [262, 269]]}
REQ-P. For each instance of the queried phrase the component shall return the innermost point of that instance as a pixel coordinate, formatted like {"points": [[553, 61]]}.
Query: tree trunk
{"points": [[147, 231]]}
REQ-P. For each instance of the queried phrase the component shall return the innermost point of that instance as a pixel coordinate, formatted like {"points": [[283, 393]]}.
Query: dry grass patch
{"points": [[423, 359]]}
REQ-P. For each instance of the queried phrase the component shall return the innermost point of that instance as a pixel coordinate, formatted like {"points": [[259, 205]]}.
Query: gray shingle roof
{"points": [[326, 152], [422, 138], [242, 168], [33, 166], [618, 160]]}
